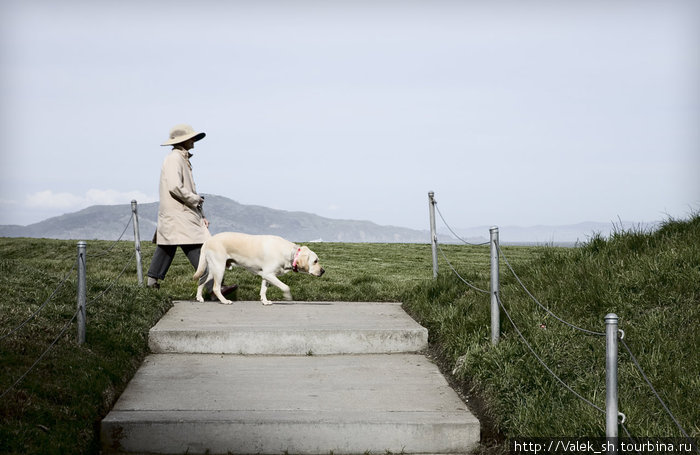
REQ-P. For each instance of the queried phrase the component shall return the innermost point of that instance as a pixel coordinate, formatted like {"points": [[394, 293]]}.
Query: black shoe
{"points": [[225, 290]]}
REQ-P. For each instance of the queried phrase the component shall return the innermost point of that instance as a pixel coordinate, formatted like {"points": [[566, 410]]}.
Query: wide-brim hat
{"points": [[182, 133]]}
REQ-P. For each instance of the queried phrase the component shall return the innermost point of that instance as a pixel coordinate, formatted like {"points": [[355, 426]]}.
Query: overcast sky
{"points": [[514, 113]]}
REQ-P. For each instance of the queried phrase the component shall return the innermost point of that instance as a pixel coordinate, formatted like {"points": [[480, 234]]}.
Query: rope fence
{"points": [[656, 394], [453, 232], [127, 262], [614, 418], [43, 354], [41, 307], [81, 265], [529, 347], [483, 291], [517, 278], [107, 250]]}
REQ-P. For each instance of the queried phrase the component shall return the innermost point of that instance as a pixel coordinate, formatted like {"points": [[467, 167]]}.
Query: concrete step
{"points": [[350, 404], [292, 328]]}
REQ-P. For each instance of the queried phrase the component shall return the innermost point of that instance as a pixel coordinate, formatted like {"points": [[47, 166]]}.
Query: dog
{"points": [[268, 256]]}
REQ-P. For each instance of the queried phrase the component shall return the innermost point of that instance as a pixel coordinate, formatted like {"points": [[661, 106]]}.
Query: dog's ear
{"points": [[303, 260]]}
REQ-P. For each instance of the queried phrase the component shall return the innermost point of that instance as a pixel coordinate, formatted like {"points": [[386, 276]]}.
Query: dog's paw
{"points": [[227, 302], [266, 302], [200, 299]]}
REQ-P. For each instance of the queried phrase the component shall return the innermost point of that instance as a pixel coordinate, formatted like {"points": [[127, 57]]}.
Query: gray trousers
{"points": [[163, 258]]}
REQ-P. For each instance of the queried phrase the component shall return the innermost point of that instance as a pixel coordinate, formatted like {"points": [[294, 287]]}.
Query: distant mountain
{"points": [[107, 222], [555, 235]]}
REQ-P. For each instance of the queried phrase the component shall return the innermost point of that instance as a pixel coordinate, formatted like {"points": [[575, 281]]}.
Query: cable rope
{"points": [[457, 273], [111, 247], [624, 428], [111, 284], [590, 332], [590, 403], [636, 363], [65, 327], [33, 315], [454, 233], [41, 356], [634, 360]]}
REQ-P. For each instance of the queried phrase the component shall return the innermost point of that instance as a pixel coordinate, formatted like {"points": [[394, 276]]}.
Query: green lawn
{"points": [[652, 281]]}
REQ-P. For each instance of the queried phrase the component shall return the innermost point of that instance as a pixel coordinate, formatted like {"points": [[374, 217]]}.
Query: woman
{"points": [[181, 221]]}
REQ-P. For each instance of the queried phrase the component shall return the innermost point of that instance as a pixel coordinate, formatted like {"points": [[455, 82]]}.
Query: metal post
{"points": [[611, 412], [495, 308], [137, 241], [82, 291], [433, 233]]}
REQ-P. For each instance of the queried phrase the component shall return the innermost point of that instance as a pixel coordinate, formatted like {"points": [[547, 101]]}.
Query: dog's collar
{"points": [[294, 262]]}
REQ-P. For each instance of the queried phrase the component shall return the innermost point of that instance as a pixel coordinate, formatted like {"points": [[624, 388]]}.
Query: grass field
{"points": [[652, 281]]}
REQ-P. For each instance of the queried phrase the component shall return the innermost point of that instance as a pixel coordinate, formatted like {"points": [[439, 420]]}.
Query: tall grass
{"points": [[650, 280]]}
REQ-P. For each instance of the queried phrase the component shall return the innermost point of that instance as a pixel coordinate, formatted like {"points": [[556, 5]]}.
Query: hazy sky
{"points": [[529, 112]]}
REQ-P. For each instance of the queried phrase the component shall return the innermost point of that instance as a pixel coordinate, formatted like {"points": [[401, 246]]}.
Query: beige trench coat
{"points": [[180, 221]]}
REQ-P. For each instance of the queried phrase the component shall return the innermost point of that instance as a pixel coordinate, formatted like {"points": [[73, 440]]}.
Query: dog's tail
{"points": [[202, 266]]}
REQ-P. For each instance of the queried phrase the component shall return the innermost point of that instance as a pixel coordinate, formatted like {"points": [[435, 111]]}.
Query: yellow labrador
{"points": [[265, 255]]}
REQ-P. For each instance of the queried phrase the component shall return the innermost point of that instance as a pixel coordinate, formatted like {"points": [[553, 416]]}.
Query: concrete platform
{"points": [[293, 328], [350, 404]]}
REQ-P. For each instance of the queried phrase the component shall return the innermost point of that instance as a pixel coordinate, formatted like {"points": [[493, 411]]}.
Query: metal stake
{"points": [[611, 411], [137, 241], [495, 308], [82, 291], [433, 233]]}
